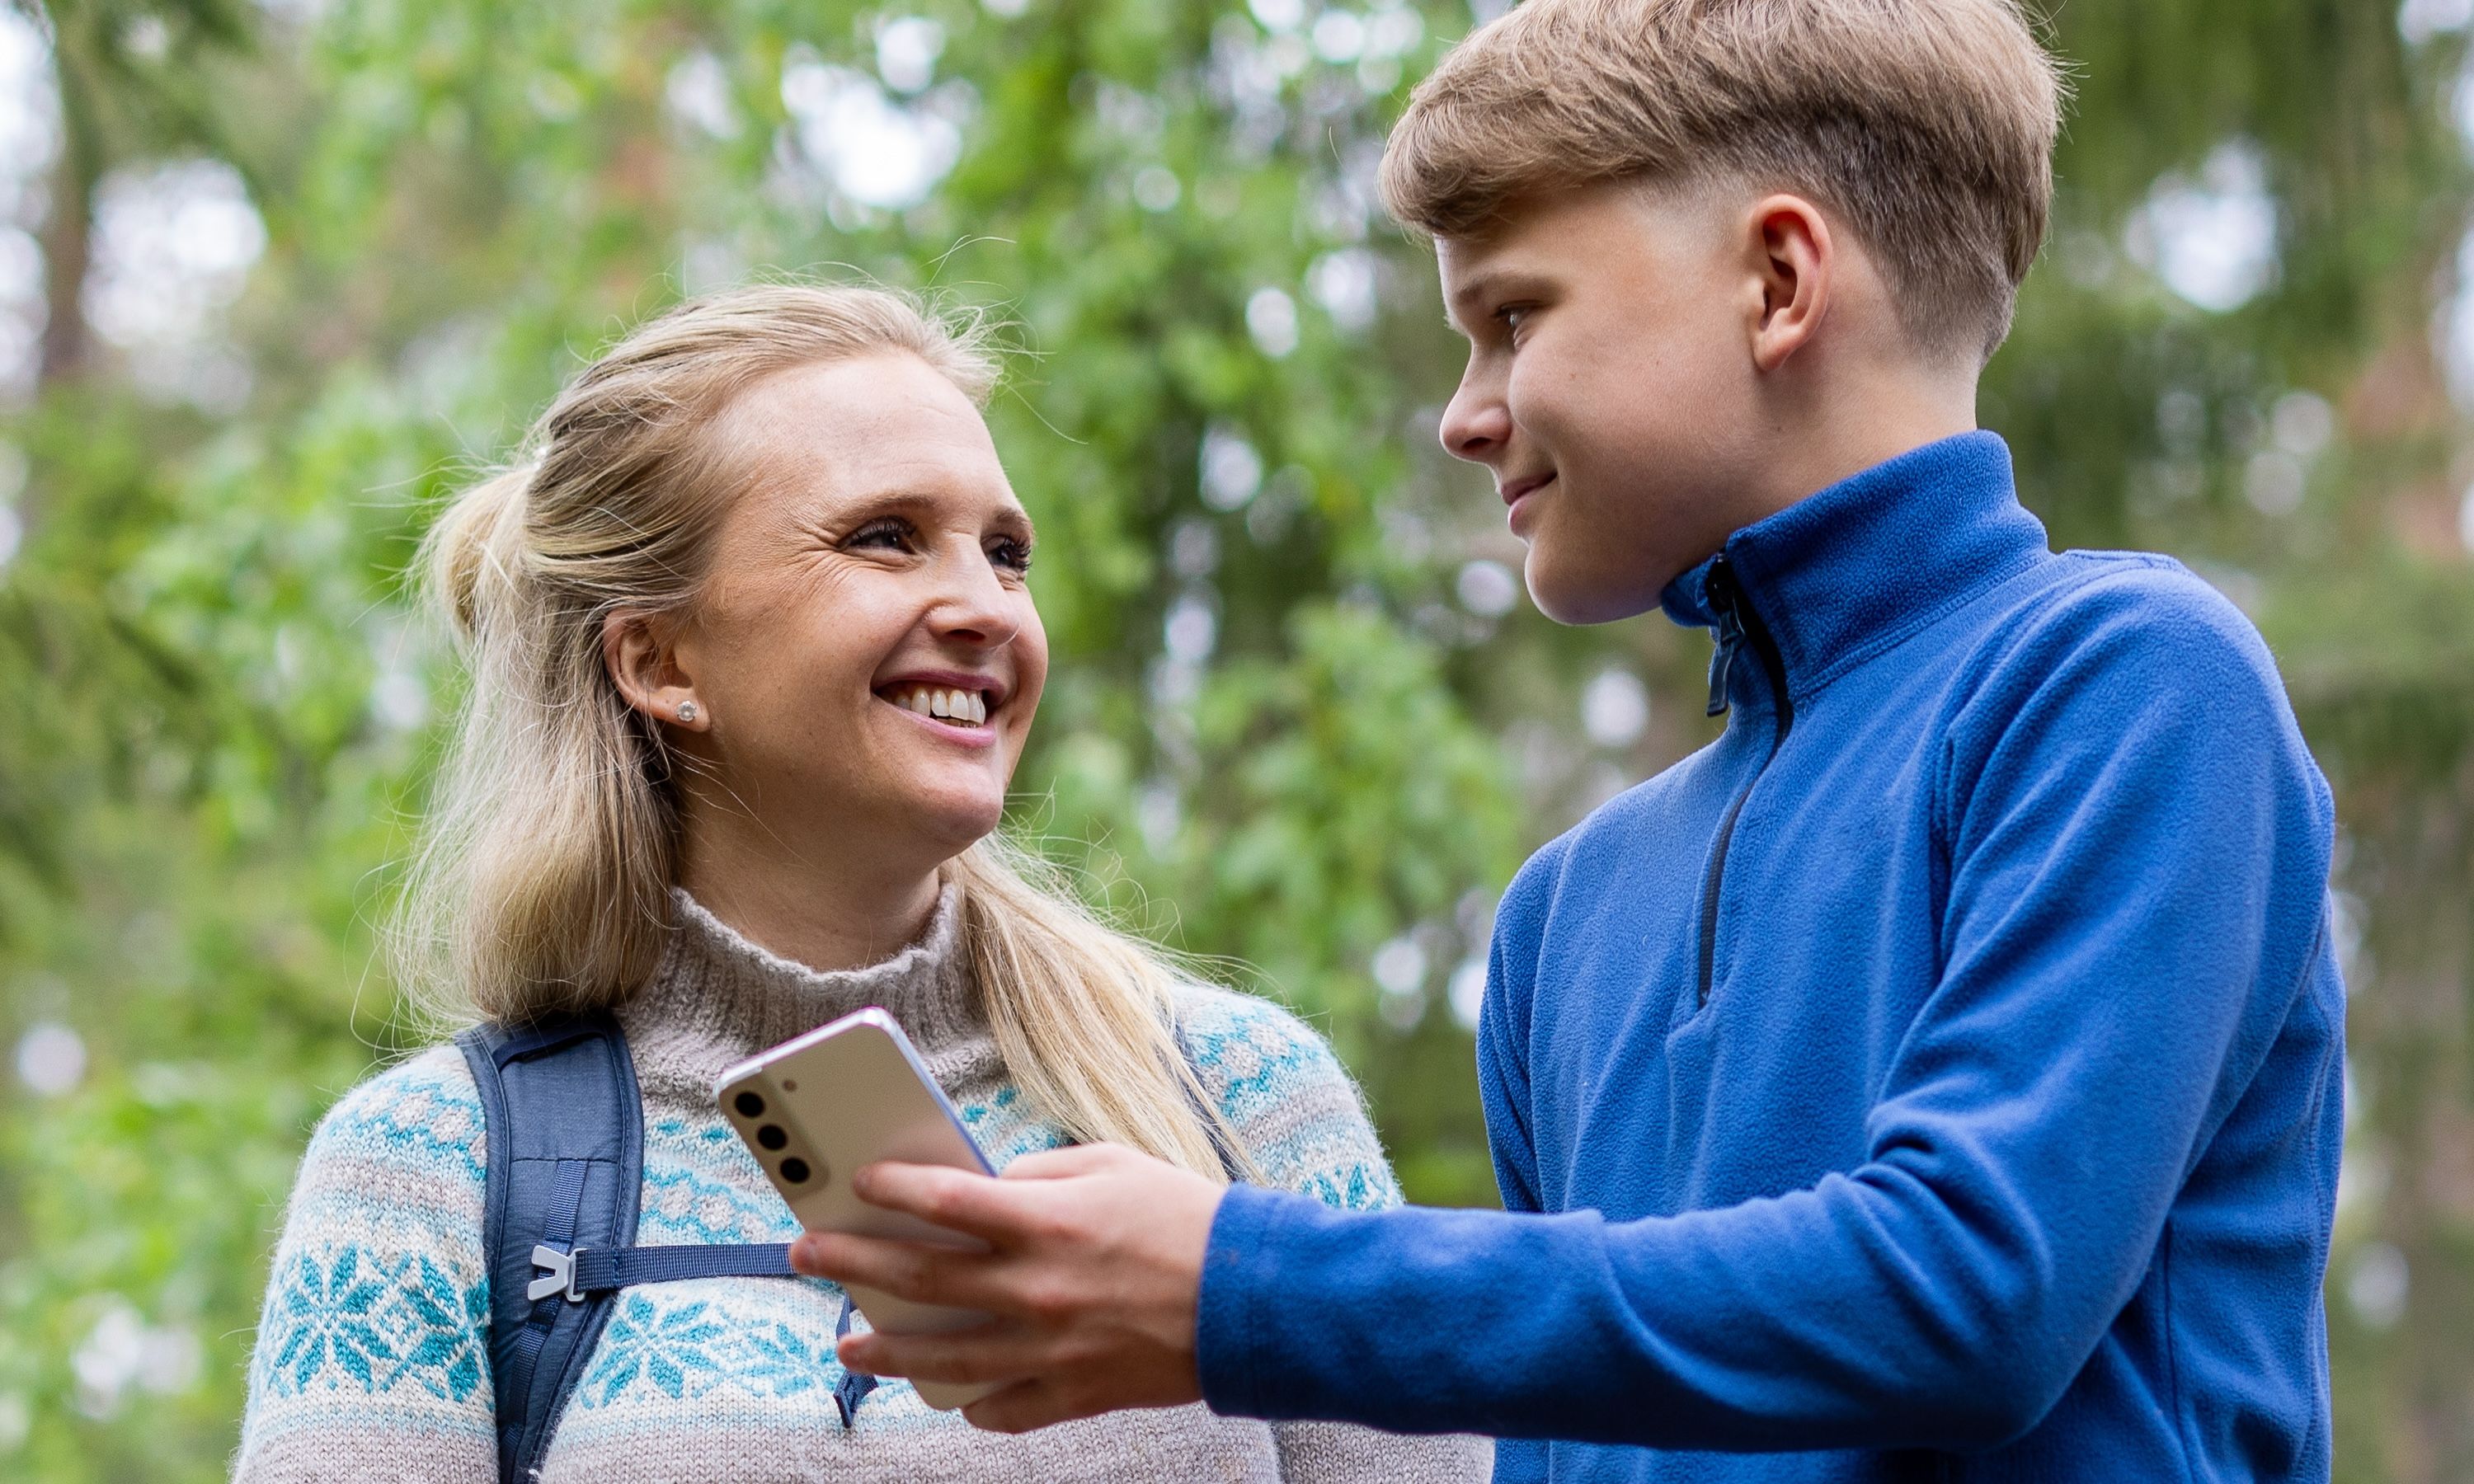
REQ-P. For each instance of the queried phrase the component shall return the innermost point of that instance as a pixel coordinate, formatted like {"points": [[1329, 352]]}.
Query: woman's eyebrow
{"points": [[853, 510]]}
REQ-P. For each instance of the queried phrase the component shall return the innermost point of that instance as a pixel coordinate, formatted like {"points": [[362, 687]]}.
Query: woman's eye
{"points": [[1010, 554], [887, 534]]}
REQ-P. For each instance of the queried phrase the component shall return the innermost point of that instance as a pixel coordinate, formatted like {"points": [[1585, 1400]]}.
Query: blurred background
{"points": [[277, 276]]}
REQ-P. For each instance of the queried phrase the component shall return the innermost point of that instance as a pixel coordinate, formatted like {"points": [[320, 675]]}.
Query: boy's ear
{"points": [[639, 651], [1793, 257]]}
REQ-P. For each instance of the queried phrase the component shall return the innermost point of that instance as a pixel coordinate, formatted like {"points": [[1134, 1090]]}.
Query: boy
{"points": [[1934, 1078]]}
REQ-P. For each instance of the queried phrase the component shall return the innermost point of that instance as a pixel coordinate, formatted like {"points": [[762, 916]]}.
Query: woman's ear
{"points": [[1793, 259], [636, 648]]}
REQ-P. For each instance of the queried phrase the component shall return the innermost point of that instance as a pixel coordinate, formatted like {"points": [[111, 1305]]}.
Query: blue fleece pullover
{"points": [[1936, 1077]]}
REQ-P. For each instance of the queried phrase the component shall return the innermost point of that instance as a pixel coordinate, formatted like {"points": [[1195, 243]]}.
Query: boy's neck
{"points": [[1820, 441]]}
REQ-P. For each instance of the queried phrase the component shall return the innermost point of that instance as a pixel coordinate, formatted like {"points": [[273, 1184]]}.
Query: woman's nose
{"points": [[975, 607]]}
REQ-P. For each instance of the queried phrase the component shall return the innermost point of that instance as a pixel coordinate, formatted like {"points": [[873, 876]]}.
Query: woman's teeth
{"points": [[962, 707]]}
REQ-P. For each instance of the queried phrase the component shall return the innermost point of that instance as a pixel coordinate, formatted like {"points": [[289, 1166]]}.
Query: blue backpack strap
{"points": [[565, 1140]]}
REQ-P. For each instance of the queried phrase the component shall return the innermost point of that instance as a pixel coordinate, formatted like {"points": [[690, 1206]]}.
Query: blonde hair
{"points": [[541, 882], [1927, 124]]}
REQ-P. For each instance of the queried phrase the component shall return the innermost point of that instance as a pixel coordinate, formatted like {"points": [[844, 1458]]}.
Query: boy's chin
{"points": [[1577, 597]]}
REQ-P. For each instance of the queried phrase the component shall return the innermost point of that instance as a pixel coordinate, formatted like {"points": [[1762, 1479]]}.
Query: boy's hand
{"points": [[1092, 1281]]}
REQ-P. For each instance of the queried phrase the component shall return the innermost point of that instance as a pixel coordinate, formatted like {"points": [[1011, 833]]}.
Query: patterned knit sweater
{"points": [[373, 1357]]}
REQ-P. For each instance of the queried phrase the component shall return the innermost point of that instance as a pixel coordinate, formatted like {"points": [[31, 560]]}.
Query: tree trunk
{"points": [[68, 228]]}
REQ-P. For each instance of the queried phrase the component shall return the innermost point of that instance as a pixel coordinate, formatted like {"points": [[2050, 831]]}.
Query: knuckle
{"points": [[911, 1277], [942, 1203], [1049, 1303], [1049, 1228]]}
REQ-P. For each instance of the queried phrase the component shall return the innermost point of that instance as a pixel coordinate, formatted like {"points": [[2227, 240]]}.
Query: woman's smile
{"points": [[958, 708]]}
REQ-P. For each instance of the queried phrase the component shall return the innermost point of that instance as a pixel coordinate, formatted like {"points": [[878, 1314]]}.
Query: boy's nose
{"points": [[1475, 425]]}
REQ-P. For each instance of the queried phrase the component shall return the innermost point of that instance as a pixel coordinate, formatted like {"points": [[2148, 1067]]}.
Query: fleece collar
{"points": [[1845, 574]]}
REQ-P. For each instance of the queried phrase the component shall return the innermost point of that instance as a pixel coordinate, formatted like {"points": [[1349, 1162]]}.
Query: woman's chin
{"points": [[951, 821]]}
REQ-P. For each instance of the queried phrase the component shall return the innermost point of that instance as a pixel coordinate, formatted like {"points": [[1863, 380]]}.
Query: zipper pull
{"points": [[1721, 590]]}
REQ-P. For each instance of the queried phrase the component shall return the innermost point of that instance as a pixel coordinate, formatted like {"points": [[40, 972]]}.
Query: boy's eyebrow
{"points": [[1482, 285]]}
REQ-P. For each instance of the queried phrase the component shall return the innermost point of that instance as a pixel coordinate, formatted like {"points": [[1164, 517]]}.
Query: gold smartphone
{"points": [[815, 1108]]}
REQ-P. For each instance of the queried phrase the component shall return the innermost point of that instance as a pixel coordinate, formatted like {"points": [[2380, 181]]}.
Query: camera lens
{"points": [[795, 1170], [749, 1105], [771, 1136]]}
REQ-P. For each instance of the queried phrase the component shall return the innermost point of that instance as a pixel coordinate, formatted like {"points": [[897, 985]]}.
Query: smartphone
{"points": [[816, 1108]]}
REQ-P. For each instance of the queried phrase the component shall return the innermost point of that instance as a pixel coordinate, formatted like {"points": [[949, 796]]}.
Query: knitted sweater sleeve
{"points": [[373, 1357], [1300, 1119]]}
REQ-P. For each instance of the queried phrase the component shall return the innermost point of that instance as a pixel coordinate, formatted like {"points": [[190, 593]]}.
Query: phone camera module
{"points": [[772, 1137], [795, 1170], [749, 1105]]}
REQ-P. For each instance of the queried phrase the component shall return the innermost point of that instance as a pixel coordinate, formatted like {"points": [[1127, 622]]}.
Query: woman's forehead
{"points": [[861, 428], [855, 404]]}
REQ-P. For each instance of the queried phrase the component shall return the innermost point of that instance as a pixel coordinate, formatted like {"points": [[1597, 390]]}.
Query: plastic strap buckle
{"points": [[560, 1270]]}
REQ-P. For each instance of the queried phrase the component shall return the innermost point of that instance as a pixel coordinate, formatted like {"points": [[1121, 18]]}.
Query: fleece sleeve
{"points": [[2138, 849], [1503, 1083], [1503, 1028]]}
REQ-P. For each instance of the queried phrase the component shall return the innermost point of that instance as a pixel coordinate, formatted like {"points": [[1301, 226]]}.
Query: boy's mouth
{"points": [[1517, 488], [953, 705]]}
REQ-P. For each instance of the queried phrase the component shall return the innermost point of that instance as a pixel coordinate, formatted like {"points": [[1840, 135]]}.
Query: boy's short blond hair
{"points": [[1926, 125]]}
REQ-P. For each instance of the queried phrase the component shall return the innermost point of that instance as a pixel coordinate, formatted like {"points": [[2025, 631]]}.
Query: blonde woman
{"points": [[753, 655]]}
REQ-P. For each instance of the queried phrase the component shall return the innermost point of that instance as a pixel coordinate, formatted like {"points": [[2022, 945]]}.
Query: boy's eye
{"points": [[1512, 316]]}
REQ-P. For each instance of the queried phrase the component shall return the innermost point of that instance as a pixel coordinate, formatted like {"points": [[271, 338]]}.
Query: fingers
{"points": [[1069, 1161], [971, 1204], [1020, 1408], [916, 1271], [1089, 1287], [975, 1357]]}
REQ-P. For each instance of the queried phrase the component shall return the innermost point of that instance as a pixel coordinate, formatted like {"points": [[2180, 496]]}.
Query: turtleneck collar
{"points": [[719, 998], [1846, 573]]}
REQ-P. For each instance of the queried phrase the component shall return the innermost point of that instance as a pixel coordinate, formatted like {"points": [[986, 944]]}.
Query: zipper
{"points": [[1740, 628]]}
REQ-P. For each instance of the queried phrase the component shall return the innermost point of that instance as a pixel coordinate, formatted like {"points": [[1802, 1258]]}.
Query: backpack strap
{"points": [[565, 1140], [587, 1273]]}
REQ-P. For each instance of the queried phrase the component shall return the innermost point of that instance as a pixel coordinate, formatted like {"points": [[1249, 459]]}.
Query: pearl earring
{"points": [[687, 710]]}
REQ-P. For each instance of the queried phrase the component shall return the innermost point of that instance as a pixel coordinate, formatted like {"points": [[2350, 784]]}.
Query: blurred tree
{"points": [[1299, 717], [129, 81]]}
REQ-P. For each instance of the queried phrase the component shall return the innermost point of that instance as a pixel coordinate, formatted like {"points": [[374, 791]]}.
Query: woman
{"points": [[753, 658]]}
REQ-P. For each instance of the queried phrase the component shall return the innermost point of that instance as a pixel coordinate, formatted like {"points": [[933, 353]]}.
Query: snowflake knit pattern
{"points": [[373, 1359]]}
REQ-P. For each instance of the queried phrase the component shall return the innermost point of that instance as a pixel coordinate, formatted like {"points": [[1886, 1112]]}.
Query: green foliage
{"points": [[1276, 733]]}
